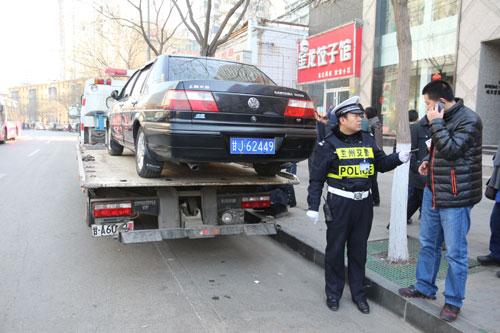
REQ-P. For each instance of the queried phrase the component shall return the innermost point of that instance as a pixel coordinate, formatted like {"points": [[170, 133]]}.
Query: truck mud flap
{"points": [[207, 231]]}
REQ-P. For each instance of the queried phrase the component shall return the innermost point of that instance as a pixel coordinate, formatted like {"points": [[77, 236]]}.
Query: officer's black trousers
{"points": [[352, 222]]}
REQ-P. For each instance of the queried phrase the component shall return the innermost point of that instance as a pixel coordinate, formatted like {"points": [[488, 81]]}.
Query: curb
{"points": [[420, 314]]}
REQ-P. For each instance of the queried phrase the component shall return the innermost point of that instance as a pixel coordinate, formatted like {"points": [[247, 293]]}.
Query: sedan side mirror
{"points": [[115, 94]]}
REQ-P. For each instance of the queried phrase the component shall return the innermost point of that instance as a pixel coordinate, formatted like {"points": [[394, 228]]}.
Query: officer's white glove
{"points": [[313, 216], [404, 156]]}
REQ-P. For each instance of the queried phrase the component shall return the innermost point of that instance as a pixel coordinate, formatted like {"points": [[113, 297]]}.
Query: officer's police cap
{"points": [[350, 105]]}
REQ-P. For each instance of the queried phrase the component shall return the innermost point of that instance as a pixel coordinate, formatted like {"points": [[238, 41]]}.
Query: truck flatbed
{"points": [[97, 169]]}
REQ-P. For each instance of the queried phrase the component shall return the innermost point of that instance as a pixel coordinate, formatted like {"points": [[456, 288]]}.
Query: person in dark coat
{"points": [[494, 257], [454, 185], [375, 126], [420, 137]]}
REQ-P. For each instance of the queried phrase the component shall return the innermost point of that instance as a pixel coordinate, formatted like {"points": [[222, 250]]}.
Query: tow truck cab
{"points": [[96, 104]]}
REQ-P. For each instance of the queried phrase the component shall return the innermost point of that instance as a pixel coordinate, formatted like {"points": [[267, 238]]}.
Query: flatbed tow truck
{"points": [[218, 199]]}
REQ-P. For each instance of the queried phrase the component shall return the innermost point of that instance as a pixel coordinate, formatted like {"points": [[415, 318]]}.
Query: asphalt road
{"points": [[54, 277]]}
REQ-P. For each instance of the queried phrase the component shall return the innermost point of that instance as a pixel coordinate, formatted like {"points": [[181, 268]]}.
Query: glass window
{"points": [[140, 81], [337, 84], [444, 8], [130, 84], [180, 68], [415, 12], [385, 87]]}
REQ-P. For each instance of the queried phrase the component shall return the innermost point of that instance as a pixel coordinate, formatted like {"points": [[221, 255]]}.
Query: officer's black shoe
{"points": [[488, 260], [363, 306], [332, 303]]}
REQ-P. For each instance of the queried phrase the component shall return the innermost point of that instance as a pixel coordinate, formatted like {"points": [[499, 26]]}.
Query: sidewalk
{"points": [[482, 300]]}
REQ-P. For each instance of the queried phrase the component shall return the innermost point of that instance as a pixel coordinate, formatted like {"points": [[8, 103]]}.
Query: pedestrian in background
{"points": [[494, 257], [375, 126], [454, 179], [346, 159], [419, 138]]}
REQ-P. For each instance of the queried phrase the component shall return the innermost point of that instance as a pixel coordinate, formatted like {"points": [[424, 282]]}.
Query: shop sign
{"points": [[334, 54]]}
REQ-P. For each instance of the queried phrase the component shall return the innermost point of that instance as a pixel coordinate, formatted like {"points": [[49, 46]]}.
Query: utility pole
{"points": [[149, 35]]}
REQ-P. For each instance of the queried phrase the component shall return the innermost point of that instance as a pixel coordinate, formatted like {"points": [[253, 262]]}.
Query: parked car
{"points": [[40, 126], [196, 109]]}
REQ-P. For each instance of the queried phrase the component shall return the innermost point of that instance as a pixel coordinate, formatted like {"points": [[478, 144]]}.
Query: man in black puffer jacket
{"points": [[454, 185]]}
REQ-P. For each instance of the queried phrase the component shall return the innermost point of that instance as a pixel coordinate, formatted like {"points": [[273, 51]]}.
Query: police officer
{"points": [[346, 158]]}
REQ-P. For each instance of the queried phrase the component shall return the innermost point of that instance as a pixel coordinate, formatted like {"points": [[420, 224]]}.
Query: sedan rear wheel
{"points": [[147, 166], [267, 170], [114, 148]]}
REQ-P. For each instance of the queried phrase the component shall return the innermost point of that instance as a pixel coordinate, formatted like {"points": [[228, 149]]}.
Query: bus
{"points": [[10, 119]]}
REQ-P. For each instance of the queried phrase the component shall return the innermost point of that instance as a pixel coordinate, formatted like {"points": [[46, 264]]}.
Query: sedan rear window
{"points": [[180, 68]]}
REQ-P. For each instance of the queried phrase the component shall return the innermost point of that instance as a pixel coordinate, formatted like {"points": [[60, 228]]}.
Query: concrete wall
{"points": [[367, 51], [331, 14], [488, 91], [480, 22], [274, 49]]}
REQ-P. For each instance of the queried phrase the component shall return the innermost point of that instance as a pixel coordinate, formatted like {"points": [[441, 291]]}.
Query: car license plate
{"points": [[111, 229], [252, 146]]}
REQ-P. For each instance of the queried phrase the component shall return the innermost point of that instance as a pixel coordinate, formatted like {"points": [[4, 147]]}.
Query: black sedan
{"points": [[196, 109]]}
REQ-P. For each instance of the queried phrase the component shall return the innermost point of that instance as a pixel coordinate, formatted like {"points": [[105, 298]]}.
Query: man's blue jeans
{"points": [[452, 225]]}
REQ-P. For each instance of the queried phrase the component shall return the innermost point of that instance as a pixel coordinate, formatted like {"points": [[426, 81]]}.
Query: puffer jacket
{"points": [[455, 160]]}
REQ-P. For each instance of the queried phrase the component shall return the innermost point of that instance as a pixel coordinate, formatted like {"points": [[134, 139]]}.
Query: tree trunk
{"points": [[398, 244]]}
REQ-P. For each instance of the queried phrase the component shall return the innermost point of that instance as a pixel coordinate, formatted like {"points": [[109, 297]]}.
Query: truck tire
{"points": [[114, 148], [267, 170], [146, 165]]}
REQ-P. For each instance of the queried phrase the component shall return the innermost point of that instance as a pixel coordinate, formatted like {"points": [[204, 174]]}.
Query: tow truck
{"points": [[96, 103], [218, 199]]}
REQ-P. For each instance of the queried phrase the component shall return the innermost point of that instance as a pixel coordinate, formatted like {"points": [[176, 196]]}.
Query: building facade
{"points": [[458, 39], [48, 102]]}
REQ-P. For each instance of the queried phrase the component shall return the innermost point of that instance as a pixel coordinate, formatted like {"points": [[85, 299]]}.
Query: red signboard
{"points": [[334, 54]]}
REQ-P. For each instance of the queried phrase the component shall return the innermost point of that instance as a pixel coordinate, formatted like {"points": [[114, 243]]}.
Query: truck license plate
{"points": [[111, 229], [252, 146]]}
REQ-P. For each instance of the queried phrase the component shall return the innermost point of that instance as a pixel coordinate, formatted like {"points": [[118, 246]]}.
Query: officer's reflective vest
{"points": [[355, 160]]}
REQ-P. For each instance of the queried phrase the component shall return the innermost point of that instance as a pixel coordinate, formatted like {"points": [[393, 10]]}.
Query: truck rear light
{"points": [[180, 100], [83, 127], [112, 209], [202, 101], [83, 102], [299, 108], [261, 201], [102, 81]]}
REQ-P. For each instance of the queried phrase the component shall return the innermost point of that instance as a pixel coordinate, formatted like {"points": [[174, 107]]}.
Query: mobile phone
{"points": [[440, 106]]}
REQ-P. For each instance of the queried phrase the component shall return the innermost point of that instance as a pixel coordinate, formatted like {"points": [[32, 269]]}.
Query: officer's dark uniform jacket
{"points": [[455, 168], [338, 159]]}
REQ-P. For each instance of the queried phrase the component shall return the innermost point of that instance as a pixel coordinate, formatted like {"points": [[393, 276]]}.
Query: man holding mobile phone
{"points": [[454, 185]]}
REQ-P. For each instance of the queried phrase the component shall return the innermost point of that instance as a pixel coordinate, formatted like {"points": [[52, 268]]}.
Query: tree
{"points": [[158, 40], [109, 45], [398, 245], [207, 47]]}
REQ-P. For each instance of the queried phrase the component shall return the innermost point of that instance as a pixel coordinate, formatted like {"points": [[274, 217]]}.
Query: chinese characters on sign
{"points": [[330, 55], [325, 54]]}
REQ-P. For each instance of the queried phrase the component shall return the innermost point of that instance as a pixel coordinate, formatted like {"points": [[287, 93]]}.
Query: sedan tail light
{"points": [[112, 209], [189, 100], [256, 202], [299, 108]]}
